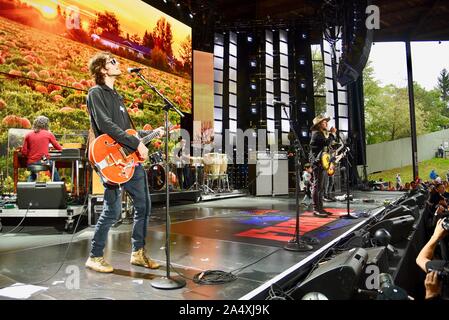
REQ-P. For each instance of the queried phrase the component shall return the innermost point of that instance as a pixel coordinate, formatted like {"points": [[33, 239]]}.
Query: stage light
{"points": [[304, 133], [178, 4], [303, 36], [191, 16], [253, 63], [253, 86], [303, 107], [302, 61], [302, 84], [165, 1], [253, 110], [249, 39]]}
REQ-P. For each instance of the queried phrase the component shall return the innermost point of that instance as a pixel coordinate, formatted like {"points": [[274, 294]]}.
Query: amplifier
{"points": [[94, 209], [41, 195]]}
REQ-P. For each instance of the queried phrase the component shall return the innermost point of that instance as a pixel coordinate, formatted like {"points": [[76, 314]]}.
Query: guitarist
{"points": [[109, 115], [319, 142]]}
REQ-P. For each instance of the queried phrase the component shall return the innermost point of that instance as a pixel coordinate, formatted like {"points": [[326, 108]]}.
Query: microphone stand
{"points": [[167, 282], [298, 243], [346, 170]]}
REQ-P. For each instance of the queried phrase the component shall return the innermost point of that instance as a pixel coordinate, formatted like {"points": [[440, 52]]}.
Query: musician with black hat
{"points": [[319, 143]]}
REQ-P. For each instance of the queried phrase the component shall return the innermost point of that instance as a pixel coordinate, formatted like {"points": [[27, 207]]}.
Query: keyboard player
{"points": [[36, 146]]}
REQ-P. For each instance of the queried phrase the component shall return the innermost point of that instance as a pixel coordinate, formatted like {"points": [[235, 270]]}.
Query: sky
{"points": [[428, 58]]}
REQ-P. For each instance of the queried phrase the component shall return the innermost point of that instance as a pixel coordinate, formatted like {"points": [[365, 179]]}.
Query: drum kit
{"points": [[206, 171]]}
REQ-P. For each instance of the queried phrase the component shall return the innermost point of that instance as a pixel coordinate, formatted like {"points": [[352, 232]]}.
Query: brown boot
{"points": [[99, 264], [138, 258]]}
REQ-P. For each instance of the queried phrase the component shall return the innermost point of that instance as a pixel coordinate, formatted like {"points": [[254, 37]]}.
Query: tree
{"points": [[163, 36], [148, 40], [135, 38], [443, 85], [319, 87], [185, 52], [106, 23]]}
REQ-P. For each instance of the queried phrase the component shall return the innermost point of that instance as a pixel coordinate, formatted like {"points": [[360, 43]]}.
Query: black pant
{"points": [[317, 187], [183, 177]]}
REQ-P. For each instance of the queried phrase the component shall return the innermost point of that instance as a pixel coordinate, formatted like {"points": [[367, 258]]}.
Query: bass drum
{"points": [[156, 177]]}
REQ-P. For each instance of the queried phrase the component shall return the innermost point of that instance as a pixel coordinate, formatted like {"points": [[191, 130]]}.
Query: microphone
{"points": [[131, 70]]}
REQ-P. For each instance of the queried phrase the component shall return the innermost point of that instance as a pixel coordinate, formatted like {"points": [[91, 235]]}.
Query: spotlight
{"points": [[253, 86], [304, 133], [253, 110], [302, 85], [249, 39], [303, 36], [303, 107], [165, 1], [178, 4], [302, 61], [253, 63], [191, 15]]}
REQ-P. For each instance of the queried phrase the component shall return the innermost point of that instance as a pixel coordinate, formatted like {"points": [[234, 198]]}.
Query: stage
{"points": [[225, 235]]}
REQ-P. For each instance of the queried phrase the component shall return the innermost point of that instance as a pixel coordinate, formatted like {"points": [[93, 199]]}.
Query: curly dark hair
{"points": [[96, 63]]}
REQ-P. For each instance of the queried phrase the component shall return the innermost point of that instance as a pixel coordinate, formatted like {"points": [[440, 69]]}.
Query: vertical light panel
{"points": [[232, 86], [285, 91], [269, 85], [218, 90]]}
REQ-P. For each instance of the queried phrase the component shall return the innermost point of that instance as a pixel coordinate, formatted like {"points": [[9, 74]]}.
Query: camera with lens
{"points": [[445, 223]]}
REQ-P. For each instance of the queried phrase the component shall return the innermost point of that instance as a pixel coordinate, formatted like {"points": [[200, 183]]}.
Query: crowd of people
{"points": [[399, 185]]}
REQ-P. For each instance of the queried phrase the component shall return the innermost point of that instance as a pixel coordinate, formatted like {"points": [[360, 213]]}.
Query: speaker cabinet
{"points": [[409, 202], [337, 278], [399, 227], [94, 209], [41, 195], [378, 258], [400, 211]]}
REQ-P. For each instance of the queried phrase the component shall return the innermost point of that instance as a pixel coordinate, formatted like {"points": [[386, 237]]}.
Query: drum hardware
{"points": [[156, 158]]}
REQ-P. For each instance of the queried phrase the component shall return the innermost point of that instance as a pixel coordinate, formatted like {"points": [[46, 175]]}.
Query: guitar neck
{"points": [[149, 137], [152, 135]]}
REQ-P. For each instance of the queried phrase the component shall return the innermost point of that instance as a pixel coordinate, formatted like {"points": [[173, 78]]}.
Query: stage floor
{"points": [[216, 235]]}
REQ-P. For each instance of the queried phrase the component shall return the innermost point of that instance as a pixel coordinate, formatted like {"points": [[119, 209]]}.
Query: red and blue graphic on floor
{"points": [[284, 230]]}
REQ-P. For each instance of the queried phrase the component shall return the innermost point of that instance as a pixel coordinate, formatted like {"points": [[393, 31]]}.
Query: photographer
{"points": [[434, 268]]}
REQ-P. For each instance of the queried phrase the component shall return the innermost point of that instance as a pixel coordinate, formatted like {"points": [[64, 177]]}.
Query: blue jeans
{"points": [[32, 177], [137, 188]]}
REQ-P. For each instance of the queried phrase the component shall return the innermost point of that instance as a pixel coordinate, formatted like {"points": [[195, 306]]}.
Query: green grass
{"points": [[440, 165]]}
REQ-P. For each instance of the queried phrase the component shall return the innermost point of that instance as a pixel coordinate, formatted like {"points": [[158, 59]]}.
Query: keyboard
{"points": [[67, 154]]}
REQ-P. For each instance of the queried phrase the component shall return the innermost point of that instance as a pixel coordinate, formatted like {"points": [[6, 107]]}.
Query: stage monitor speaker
{"points": [[378, 257], [337, 278], [41, 195], [399, 227], [357, 40], [400, 211], [411, 201], [420, 198]]}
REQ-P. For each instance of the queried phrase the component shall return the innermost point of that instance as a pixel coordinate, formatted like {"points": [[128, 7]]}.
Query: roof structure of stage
{"points": [[414, 20]]}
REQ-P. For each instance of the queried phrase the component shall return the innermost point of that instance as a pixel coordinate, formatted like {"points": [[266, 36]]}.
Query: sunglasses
{"points": [[112, 61]]}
